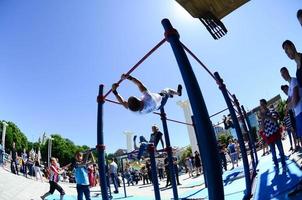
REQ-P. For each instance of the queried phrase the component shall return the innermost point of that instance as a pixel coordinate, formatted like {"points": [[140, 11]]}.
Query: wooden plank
{"points": [[220, 8]]}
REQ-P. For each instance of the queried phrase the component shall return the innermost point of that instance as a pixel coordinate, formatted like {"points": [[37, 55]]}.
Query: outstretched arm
{"points": [[137, 82], [118, 96]]}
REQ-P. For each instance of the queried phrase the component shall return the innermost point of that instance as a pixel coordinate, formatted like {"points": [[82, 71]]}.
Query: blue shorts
{"points": [[234, 157], [299, 125]]}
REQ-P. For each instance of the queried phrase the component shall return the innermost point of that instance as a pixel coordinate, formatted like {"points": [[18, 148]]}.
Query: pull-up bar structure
{"points": [[251, 146], [139, 62], [203, 127], [173, 120], [204, 131], [100, 145], [224, 92]]}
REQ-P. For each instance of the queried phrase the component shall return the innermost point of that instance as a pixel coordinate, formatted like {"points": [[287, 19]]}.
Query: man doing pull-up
{"points": [[149, 101]]}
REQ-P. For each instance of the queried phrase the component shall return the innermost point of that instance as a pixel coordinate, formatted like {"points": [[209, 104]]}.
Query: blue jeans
{"points": [[281, 152], [290, 135], [142, 149], [83, 189], [114, 180]]}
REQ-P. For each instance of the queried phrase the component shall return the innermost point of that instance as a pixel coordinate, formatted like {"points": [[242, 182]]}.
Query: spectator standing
{"points": [[197, 163], [271, 132], [14, 156], [113, 175]]}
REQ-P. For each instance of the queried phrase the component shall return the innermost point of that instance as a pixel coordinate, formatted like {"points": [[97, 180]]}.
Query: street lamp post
{"points": [[3, 135], [49, 151]]}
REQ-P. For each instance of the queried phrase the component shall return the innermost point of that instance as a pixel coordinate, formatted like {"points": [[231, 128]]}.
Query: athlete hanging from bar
{"points": [[149, 101], [155, 137]]}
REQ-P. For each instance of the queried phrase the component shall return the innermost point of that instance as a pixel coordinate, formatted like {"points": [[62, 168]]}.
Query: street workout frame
{"points": [[203, 127]]}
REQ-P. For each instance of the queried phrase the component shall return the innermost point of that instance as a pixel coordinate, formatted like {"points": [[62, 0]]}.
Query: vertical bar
{"points": [[123, 177], [250, 129], [169, 151], [100, 145], [204, 131], [236, 102], [151, 149], [49, 150], [248, 182]]}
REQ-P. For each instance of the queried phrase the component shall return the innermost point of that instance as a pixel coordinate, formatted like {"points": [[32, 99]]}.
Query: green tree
{"points": [[62, 148], [224, 137], [14, 134], [186, 153]]}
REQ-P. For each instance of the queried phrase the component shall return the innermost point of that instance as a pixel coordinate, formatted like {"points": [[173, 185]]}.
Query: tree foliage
{"points": [[14, 134], [62, 148], [224, 137], [186, 153]]}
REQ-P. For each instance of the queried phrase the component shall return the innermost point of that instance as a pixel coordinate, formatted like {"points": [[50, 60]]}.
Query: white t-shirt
{"points": [[152, 101], [113, 168], [292, 85]]}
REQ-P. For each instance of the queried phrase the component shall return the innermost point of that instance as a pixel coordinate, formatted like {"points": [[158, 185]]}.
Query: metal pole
{"points": [[236, 102], [100, 145], [169, 152], [223, 89], [3, 135], [2, 151], [151, 149], [123, 176], [49, 150], [204, 131], [250, 129]]}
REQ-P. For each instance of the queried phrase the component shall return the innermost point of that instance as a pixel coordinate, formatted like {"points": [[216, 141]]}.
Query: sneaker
{"points": [[179, 90]]}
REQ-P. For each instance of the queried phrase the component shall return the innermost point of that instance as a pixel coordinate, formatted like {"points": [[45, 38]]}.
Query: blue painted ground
{"points": [[115, 196], [234, 186], [270, 184], [275, 184]]}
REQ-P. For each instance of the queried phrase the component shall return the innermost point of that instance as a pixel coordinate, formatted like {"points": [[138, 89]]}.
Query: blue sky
{"points": [[54, 54]]}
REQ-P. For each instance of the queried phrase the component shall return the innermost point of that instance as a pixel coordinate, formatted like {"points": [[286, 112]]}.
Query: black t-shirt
{"points": [[166, 161], [299, 76], [14, 152], [220, 148], [156, 137]]}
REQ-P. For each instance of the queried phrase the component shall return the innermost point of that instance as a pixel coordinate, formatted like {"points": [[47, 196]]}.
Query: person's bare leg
{"points": [[134, 141], [45, 195], [173, 92]]}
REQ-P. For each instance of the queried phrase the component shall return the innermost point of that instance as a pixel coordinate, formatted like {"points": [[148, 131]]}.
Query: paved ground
{"points": [[13, 187], [17, 187]]}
